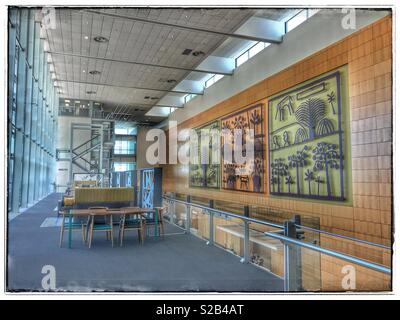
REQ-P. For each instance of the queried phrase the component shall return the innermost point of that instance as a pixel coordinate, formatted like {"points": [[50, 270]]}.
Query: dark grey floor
{"points": [[175, 263]]}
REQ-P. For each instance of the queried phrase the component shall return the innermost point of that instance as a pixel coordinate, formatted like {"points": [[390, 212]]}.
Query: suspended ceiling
{"points": [[133, 86]]}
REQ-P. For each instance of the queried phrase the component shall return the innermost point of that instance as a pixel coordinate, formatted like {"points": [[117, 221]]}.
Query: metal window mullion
{"points": [[20, 116], [11, 64], [28, 109]]}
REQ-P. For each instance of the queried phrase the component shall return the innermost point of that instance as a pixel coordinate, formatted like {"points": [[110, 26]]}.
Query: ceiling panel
{"points": [[136, 41]]}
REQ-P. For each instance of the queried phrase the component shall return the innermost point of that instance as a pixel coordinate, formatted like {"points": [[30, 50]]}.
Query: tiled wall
{"points": [[368, 54]]}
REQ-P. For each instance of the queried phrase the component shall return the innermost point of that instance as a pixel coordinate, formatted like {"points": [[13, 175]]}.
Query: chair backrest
{"points": [[99, 214]]}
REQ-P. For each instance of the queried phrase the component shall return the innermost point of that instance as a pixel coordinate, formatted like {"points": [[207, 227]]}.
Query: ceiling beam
{"points": [[206, 70], [272, 39], [128, 87]]}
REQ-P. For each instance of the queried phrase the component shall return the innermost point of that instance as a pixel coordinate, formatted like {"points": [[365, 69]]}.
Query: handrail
{"points": [[344, 237], [283, 238], [335, 254], [230, 214]]}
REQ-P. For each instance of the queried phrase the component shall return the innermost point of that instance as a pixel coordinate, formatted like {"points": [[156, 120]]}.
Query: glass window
{"points": [[242, 59], [218, 77], [209, 82], [296, 20], [188, 97], [311, 12], [125, 147], [125, 129], [124, 166], [256, 49]]}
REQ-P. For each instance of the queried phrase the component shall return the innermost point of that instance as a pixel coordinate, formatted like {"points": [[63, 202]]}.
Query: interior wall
{"points": [[318, 32], [368, 55]]}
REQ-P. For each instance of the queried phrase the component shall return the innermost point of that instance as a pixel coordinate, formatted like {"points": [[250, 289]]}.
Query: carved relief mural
{"points": [[245, 176], [306, 132], [206, 174]]}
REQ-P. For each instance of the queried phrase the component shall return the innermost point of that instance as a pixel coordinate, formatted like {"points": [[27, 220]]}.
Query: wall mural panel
{"points": [[306, 152], [246, 176], [205, 175]]}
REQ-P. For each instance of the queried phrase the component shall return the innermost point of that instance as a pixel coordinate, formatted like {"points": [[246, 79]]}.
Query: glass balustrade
{"points": [[287, 246]]}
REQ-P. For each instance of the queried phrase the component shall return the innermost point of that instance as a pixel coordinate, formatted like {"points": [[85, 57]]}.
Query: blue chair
{"points": [[78, 224], [100, 220], [154, 219], [131, 222]]}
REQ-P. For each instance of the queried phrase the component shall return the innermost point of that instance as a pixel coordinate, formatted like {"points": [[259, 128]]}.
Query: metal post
{"points": [[172, 210], [246, 244], [101, 154], [299, 283], [71, 147], [291, 270], [188, 200], [211, 223]]}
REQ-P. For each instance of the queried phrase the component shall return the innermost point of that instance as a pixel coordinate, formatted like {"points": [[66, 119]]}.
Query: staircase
{"points": [[93, 156]]}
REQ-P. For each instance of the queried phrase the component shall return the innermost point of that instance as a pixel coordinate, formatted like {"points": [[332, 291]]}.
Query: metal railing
{"points": [[289, 234]]}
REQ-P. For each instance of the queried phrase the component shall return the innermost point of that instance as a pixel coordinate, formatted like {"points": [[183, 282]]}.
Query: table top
{"points": [[116, 211]]}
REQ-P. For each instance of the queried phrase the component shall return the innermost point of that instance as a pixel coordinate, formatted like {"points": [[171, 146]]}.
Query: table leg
{"points": [[70, 230]]}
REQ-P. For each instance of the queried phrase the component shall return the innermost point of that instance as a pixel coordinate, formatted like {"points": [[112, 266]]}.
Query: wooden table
{"points": [[93, 212]]}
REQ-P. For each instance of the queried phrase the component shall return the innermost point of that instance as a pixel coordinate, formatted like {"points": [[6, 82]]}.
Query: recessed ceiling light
{"points": [[86, 37], [100, 39], [94, 72], [198, 53], [67, 104], [83, 71]]}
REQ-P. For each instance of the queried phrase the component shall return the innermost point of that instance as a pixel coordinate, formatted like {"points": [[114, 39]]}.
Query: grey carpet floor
{"points": [[169, 264]]}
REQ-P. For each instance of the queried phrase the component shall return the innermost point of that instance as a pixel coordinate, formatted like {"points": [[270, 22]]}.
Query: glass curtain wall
{"points": [[32, 110]]}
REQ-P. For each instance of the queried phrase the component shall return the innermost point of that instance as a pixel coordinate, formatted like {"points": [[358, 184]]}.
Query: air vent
{"points": [[91, 92], [154, 98], [147, 97], [171, 81], [198, 53], [94, 72], [186, 52], [100, 39]]}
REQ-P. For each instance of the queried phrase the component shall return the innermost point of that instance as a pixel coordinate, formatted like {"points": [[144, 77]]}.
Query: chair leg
{"points": [[112, 231], [62, 232], [83, 234], [91, 234], [87, 230], [122, 235], [162, 228]]}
